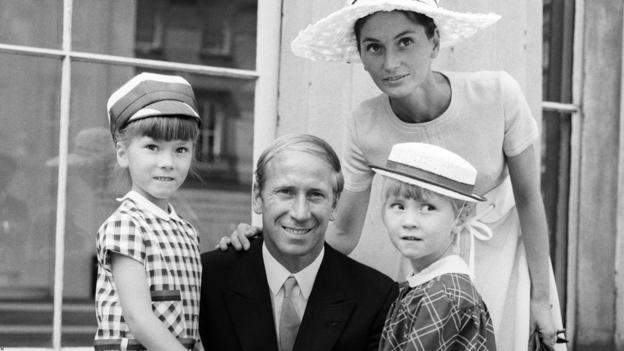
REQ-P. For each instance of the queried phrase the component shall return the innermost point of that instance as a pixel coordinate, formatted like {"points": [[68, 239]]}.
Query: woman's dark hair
{"points": [[415, 17]]}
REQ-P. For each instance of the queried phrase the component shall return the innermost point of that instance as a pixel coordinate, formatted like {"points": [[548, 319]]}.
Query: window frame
{"points": [[265, 111], [575, 113]]}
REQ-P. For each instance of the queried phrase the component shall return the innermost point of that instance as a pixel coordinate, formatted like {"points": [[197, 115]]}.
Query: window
{"points": [[560, 135], [58, 164]]}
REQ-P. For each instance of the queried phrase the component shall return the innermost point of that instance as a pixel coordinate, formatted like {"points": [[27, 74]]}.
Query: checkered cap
{"points": [[149, 95]]}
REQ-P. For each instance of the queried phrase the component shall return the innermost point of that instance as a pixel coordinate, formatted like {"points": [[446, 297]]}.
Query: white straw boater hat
{"points": [[333, 38], [431, 167]]}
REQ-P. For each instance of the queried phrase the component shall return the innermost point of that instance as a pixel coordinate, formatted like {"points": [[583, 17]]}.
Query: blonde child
{"points": [[149, 269], [427, 201]]}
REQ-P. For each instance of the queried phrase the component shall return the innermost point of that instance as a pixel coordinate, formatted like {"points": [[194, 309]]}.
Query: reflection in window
{"points": [[216, 33], [42, 27], [28, 138]]}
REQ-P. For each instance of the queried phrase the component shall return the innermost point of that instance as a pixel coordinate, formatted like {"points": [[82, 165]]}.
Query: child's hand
{"points": [[239, 237], [542, 320]]}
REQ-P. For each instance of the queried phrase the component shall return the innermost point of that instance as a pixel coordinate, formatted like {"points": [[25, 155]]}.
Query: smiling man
{"points": [[292, 291]]}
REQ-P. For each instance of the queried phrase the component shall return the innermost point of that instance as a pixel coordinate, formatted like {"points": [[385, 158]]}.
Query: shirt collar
{"points": [[277, 274], [146, 204], [445, 265]]}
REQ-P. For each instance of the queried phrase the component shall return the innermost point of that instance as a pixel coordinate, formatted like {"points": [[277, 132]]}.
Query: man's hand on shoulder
{"points": [[240, 237]]}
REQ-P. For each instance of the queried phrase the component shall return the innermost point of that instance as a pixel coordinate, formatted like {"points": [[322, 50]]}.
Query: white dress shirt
{"points": [[276, 276]]}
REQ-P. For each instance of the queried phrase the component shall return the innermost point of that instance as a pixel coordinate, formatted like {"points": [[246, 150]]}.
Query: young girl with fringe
{"points": [[149, 269]]}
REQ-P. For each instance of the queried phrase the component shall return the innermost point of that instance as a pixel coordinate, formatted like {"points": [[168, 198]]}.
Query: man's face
{"points": [[296, 203]]}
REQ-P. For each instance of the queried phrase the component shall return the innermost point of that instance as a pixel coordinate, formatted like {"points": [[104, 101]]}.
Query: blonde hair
{"points": [[463, 210], [307, 143]]}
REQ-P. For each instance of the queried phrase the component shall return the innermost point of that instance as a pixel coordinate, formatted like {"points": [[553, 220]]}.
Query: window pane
{"points": [[29, 138], [215, 33], [555, 179], [558, 35], [32, 23], [90, 197], [558, 40]]}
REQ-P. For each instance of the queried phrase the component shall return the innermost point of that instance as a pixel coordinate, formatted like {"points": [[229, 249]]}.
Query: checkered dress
{"points": [[445, 313], [168, 247]]}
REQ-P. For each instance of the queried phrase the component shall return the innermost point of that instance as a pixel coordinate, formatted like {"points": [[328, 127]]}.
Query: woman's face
{"points": [[396, 52]]}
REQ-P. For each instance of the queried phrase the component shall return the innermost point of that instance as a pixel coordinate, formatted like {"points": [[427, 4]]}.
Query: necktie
{"points": [[289, 320]]}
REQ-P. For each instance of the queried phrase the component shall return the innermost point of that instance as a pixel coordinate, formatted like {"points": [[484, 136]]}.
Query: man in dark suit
{"points": [[292, 291]]}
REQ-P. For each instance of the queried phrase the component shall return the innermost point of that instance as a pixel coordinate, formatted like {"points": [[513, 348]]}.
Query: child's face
{"points": [[421, 229], [157, 167]]}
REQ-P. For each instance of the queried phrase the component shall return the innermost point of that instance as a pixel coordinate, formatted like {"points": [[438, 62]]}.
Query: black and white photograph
{"points": [[312, 175]]}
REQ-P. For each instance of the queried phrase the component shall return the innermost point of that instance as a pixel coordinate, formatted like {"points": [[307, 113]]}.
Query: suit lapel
{"points": [[248, 302], [328, 309]]}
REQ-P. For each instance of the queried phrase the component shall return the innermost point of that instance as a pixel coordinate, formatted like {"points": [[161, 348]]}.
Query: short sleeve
{"points": [[122, 235], [357, 173], [520, 127], [477, 332]]}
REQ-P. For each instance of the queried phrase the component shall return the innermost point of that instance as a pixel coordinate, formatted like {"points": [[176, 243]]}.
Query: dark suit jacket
{"points": [[346, 309]]}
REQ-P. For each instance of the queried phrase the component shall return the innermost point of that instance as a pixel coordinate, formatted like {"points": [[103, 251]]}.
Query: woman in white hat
{"points": [[482, 116]]}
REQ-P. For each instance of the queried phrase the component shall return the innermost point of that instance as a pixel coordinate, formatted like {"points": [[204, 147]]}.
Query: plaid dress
{"points": [[168, 248], [440, 310]]}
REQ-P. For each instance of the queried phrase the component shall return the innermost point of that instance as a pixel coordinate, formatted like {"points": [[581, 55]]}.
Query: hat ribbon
{"points": [[428, 2], [429, 177], [479, 230]]}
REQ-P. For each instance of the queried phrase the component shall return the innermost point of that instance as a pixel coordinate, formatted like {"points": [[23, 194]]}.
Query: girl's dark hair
{"points": [[415, 17], [160, 128]]}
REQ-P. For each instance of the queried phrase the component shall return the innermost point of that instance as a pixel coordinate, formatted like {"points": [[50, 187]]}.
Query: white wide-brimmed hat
{"points": [[333, 38], [433, 168]]}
